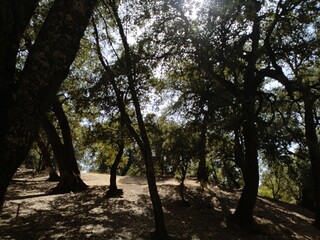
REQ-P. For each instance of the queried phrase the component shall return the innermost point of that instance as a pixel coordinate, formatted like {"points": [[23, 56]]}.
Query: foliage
{"points": [[215, 62]]}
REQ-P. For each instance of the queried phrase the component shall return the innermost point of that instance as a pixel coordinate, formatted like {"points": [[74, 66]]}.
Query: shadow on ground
{"points": [[90, 215]]}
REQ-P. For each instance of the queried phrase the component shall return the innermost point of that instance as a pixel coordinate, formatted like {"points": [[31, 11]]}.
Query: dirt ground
{"points": [[31, 214]]}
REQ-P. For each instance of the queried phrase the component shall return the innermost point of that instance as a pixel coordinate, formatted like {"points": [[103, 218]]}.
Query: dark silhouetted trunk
{"points": [[14, 17], [46, 67], [314, 150], [53, 176], [69, 175], [113, 189], [239, 158], [307, 196], [160, 231], [66, 136], [243, 215]]}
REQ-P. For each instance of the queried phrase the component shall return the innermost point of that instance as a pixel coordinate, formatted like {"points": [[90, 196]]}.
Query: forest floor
{"points": [[31, 214]]}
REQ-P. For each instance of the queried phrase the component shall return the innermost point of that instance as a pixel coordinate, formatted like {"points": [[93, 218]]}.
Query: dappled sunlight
{"points": [[284, 218], [90, 214]]}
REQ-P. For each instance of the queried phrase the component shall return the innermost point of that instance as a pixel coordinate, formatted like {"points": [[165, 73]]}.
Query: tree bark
{"points": [[113, 189], [243, 216], [239, 157], [307, 195], [45, 69], [14, 17], [314, 150], [143, 141], [160, 228], [70, 158], [69, 177], [53, 176]]}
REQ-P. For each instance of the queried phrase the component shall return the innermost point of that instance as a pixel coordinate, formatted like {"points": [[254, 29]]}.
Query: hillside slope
{"points": [[30, 214]]}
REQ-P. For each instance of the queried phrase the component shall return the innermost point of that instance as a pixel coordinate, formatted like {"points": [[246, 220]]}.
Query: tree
{"points": [[230, 42], [225, 45], [113, 189], [282, 148], [155, 127], [15, 16], [291, 43], [239, 76], [141, 136], [224, 167], [46, 67], [70, 179], [181, 148], [46, 158]]}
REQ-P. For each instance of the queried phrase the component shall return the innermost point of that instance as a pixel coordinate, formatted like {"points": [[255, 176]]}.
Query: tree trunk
{"points": [[70, 157], [53, 176], [45, 69], [113, 189], [140, 137], [239, 157], [307, 194], [69, 177], [314, 151], [160, 231], [243, 216], [14, 17]]}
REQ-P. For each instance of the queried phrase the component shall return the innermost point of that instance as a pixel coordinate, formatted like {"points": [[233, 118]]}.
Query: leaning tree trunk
{"points": [[69, 177], [113, 190], [53, 176], [140, 137], [160, 231], [243, 216], [314, 151], [14, 18], [66, 136], [45, 69]]}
